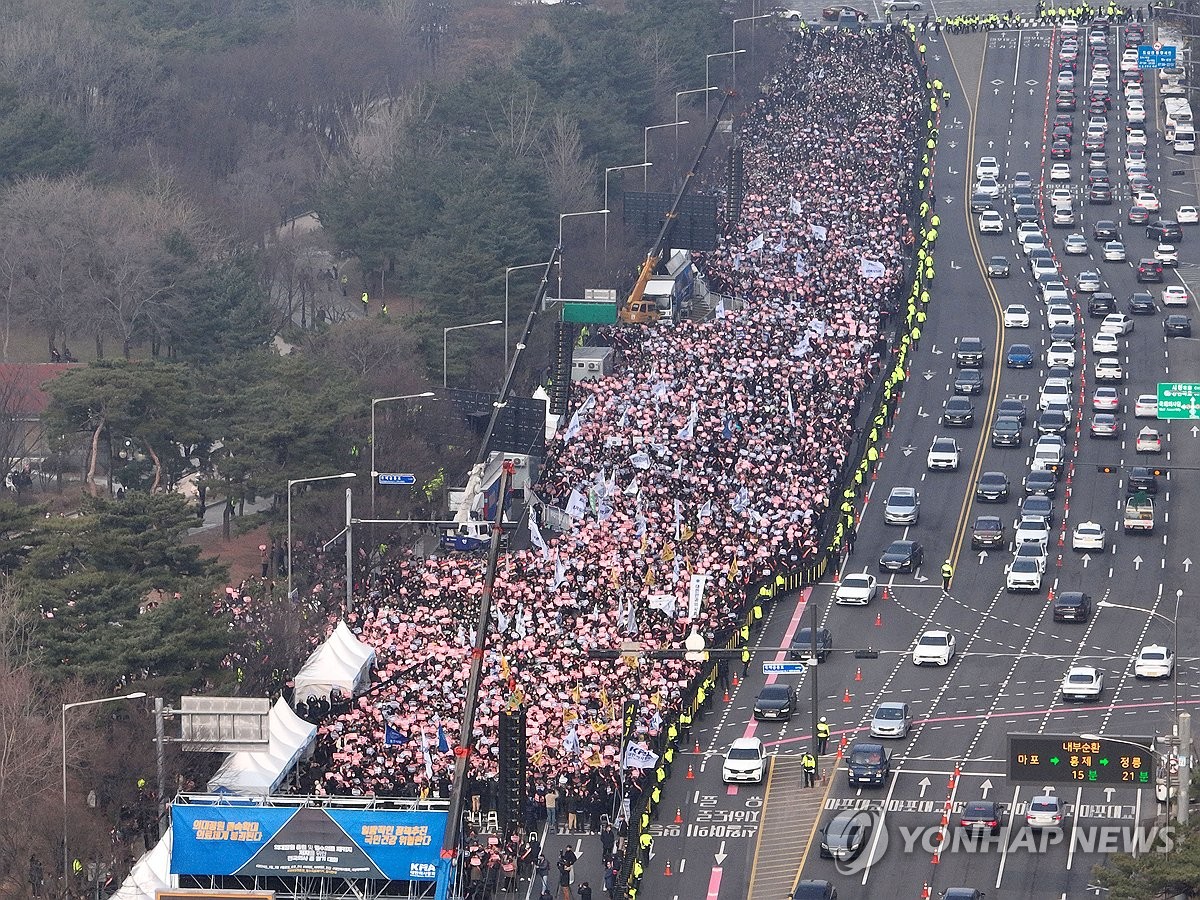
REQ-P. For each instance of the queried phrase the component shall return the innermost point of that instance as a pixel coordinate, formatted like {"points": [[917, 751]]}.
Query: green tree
{"points": [[34, 140], [217, 311], [1157, 873]]}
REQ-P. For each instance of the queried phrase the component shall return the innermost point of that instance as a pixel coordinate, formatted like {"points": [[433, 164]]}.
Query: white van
{"points": [[1185, 139]]}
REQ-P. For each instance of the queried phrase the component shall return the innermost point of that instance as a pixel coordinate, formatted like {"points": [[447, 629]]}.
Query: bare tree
{"points": [[571, 178], [516, 131]]}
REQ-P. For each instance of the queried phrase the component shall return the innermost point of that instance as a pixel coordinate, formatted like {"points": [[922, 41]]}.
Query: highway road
{"points": [[1011, 656]]}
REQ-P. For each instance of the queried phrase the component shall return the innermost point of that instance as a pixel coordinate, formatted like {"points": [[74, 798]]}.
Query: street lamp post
{"points": [[646, 149], [136, 695], [507, 270], [561, 216], [707, 79], [735, 25], [374, 472], [291, 482], [641, 165], [446, 335]]}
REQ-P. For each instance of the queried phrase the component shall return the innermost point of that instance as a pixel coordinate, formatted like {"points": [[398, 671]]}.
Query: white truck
{"points": [[1139, 514]]}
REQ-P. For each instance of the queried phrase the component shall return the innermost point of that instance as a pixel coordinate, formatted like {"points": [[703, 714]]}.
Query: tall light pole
{"points": [[735, 25], [374, 472], [507, 270], [446, 336], [641, 165], [646, 149], [561, 216], [707, 79], [291, 482], [136, 695]]}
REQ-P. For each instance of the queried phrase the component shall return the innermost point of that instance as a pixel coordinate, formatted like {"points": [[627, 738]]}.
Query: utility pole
{"points": [[1185, 767]]}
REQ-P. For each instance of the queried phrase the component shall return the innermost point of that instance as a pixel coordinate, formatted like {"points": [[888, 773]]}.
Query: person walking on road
{"points": [[823, 732], [810, 769], [947, 575]]}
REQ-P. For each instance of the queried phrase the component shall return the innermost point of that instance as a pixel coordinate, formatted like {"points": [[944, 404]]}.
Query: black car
{"points": [[1137, 215], [1041, 481], [845, 835], [1062, 133], [901, 556], [1025, 212], [959, 412], [1060, 372], [1067, 334], [1149, 270], [1072, 606], [1060, 150], [968, 381], [1023, 197], [1104, 230], [998, 267], [961, 893], [814, 889], [1142, 480], [1141, 303], [987, 531], [1039, 505], [868, 763], [1053, 421], [981, 201], [1166, 231], [801, 647], [1100, 194], [1176, 325], [982, 815], [969, 353], [1065, 102], [1006, 432], [1100, 304], [775, 701], [992, 487], [1011, 406]]}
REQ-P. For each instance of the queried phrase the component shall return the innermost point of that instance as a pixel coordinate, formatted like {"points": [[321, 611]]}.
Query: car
{"points": [[1060, 314], [1135, 137], [1064, 216], [988, 186], [1092, 140], [1045, 811], [835, 12], [1154, 661], [802, 644], [745, 760], [1141, 303], [958, 412], [1175, 295], [1032, 242], [992, 487], [903, 506], [1100, 194], [1054, 392], [1164, 230], [1075, 245], [982, 815], [901, 556], [855, 590], [1114, 251], [891, 720], [1149, 270], [987, 167], [1187, 215], [1040, 506], [1105, 343], [991, 222], [1023, 196], [868, 763], [1167, 254], [943, 454], [1101, 304], [1089, 282], [1016, 315], [1142, 480], [1082, 683], [1055, 420], [1024, 179], [1012, 406], [1032, 528], [981, 201], [1105, 425], [1117, 323], [1176, 325], [987, 531], [1137, 215], [969, 353], [1063, 334], [1104, 230], [1062, 134], [1106, 399], [845, 835], [1060, 149], [1146, 406], [1071, 606], [1006, 432], [933, 647], [1064, 101], [1148, 441], [1060, 354], [968, 381], [1054, 293], [814, 889], [1037, 552], [1019, 356], [998, 267], [1061, 171], [1025, 212], [775, 701], [903, 6], [1109, 370]]}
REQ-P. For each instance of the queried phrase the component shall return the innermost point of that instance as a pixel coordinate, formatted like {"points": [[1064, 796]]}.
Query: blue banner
{"points": [[288, 841]]}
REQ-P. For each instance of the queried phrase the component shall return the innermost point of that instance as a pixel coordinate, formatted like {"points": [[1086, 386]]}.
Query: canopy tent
{"points": [[342, 662], [150, 874], [262, 771]]}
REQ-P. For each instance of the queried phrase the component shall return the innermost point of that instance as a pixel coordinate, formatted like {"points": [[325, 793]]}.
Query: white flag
{"points": [[819, 232], [576, 504], [664, 603], [794, 206], [870, 268], [801, 265], [705, 511], [791, 410], [640, 460], [560, 572], [686, 432], [535, 537], [429, 756], [757, 244], [633, 487], [638, 757], [570, 742]]}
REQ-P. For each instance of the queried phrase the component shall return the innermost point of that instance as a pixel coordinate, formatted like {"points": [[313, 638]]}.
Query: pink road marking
{"points": [[714, 883]]}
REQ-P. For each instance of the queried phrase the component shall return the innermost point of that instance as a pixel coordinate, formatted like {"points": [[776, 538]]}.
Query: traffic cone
{"points": [[696, 749], [667, 873], [735, 679], [925, 891], [874, 474], [678, 816], [690, 773], [885, 593], [878, 620], [727, 695], [858, 674], [846, 696], [835, 576]]}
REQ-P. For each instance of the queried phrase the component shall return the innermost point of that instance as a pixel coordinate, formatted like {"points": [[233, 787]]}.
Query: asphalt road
{"points": [[1011, 656]]}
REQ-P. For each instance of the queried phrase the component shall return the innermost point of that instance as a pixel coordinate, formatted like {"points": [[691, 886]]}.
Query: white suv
{"points": [[1024, 574], [746, 760]]}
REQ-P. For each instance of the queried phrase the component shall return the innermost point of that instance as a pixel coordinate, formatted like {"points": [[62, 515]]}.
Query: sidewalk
{"points": [[787, 827]]}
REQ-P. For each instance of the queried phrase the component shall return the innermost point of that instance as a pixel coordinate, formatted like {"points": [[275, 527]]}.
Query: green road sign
{"points": [[1179, 400], [1042, 759]]}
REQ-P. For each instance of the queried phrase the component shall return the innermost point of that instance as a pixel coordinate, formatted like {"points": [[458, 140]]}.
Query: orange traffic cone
{"points": [[846, 696], [690, 773], [835, 576], [696, 749], [878, 620], [726, 696], [667, 873], [885, 593], [735, 679], [678, 816], [858, 674]]}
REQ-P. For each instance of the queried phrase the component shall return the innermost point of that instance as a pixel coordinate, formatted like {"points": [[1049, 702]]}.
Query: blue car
{"points": [[1020, 356]]}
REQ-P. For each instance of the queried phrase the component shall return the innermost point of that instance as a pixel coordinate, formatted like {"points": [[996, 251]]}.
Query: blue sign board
{"points": [[397, 478], [783, 668], [1156, 56], [377, 844]]}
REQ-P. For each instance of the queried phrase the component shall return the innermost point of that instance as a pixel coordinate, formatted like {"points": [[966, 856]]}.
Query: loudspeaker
{"points": [[514, 774]]}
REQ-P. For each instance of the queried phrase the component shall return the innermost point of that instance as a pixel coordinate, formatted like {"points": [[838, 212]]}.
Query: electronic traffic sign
{"points": [[1178, 400], [1080, 759]]}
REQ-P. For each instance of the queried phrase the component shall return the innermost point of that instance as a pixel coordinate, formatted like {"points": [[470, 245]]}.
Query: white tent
{"points": [[343, 661], [262, 771], [150, 874]]}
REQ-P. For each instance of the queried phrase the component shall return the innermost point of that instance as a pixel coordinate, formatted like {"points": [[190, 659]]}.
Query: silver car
{"points": [[1046, 811], [903, 506], [891, 720]]}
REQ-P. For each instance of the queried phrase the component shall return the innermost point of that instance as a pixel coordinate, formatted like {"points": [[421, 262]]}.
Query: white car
{"points": [[1109, 369], [991, 222], [1024, 574], [1175, 295], [1075, 245], [987, 167], [1032, 529], [745, 760], [1028, 229], [1133, 156], [1147, 200], [1187, 215], [1088, 282], [1106, 399], [1059, 314], [943, 454], [1043, 267], [1134, 91], [1146, 406], [1167, 254], [1105, 344], [1136, 111], [1088, 536], [1052, 393], [855, 590], [1061, 354], [1129, 61], [988, 186], [1055, 292], [1060, 172], [1016, 316], [1082, 683], [1046, 811], [1155, 661], [1048, 453], [1031, 242], [1117, 323], [933, 648], [1114, 251], [1148, 441], [1060, 196]]}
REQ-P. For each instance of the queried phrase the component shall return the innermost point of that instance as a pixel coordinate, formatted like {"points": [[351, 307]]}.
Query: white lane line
{"points": [[1007, 834]]}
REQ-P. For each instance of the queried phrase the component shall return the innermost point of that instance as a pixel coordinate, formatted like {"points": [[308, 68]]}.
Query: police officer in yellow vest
{"points": [[947, 574], [809, 762], [823, 732]]}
